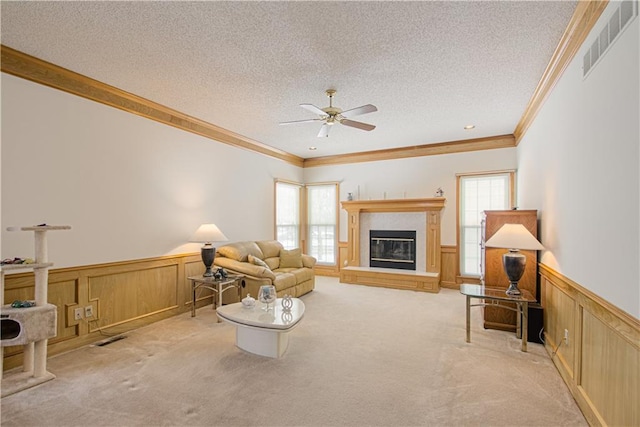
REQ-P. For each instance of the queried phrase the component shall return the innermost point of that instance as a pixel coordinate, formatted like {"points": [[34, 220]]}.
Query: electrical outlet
{"points": [[566, 336], [77, 314], [88, 311]]}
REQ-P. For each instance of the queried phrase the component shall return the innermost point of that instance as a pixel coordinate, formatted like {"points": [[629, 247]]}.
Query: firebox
{"points": [[392, 249]]}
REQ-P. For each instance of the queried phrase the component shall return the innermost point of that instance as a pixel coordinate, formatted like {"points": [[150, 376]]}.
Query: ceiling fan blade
{"points": [[364, 109], [358, 125], [299, 121], [313, 109], [324, 130]]}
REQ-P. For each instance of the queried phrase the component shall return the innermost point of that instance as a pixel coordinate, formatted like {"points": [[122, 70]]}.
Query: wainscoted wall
{"points": [[600, 364], [448, 269], [124, 296]]}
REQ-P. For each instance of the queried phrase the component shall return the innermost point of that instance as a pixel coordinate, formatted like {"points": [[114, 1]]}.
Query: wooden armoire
{"points": [[494, 275]]}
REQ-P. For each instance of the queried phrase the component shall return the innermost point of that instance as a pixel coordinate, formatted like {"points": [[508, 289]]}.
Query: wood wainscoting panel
{"points": [[327, 270], [131, 295], [59, 292], [610, 373], [560, 313], [600, 364], [449, 267], [426, 282], [342, 254]]}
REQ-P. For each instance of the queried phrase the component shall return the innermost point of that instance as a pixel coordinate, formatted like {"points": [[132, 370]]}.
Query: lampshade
{"points": [[514, 236], [208, 233]]}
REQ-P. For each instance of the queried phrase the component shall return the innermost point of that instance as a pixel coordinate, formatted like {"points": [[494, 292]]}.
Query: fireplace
{"points": [[392, 249]]}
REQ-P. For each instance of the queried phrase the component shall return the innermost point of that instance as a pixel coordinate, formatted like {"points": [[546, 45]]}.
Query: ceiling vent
{"points": [[620, 19]]}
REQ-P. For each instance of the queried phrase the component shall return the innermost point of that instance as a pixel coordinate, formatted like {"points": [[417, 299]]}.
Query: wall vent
{"points": [[620, 19]]}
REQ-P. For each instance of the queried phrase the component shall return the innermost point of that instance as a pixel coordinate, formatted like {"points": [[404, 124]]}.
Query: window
{"points": [[288, 214], [322, 218], [478, 193]]}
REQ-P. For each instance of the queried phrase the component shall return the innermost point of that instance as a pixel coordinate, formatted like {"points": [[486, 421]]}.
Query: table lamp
{"points": [[514, 237], [207, 234]]}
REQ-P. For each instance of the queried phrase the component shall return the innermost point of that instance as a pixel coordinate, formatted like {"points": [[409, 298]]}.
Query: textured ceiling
{"points": [[430, 67]]}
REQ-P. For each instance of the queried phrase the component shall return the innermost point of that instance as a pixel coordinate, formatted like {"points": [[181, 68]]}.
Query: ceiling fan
{"points": [[331, 115]]}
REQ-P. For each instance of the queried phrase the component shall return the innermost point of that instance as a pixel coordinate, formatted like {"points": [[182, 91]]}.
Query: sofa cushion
{"points": [[257, 261], [284, 280], [270, 248], [291, 258], [301, 274], [244, 268], [273, 262], [240, 251]]}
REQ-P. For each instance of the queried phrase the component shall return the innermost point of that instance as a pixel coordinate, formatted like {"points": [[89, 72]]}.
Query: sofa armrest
{"points": [[245, 268], [308, 261]]}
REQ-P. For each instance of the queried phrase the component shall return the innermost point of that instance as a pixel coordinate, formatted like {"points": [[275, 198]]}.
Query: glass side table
{"points": [[219, 286], [491, 297]]}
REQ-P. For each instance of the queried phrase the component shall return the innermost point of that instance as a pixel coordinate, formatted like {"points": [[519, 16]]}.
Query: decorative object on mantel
{"points": [[248, 301], [439, 192], [514, 237], [350, 196], [207, 234], [287, 303]]}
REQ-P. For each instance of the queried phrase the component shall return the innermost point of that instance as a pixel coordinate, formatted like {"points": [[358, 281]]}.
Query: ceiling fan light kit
{"points": [[331, 115]]}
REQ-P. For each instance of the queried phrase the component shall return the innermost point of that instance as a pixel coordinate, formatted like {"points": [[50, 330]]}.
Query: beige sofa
{"points": [[266, 262]]}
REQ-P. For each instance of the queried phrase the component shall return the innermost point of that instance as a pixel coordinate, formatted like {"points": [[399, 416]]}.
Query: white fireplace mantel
{"points": [[431, 206]]}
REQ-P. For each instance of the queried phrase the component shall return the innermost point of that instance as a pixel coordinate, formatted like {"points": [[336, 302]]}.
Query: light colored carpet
{"points": [[361, 356]]}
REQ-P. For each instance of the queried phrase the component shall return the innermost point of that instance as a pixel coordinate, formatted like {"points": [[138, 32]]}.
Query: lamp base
{"points": [[514, 263], [208, 254], [513, 289]]}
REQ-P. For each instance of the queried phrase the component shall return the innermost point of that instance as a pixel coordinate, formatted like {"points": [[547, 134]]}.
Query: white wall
{"points": [[130, 188], [416, 177], [578, 165]]}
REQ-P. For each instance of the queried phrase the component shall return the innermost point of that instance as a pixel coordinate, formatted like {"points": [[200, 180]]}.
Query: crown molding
{"points": [[582, 22], [25, 66], [477, 144]]}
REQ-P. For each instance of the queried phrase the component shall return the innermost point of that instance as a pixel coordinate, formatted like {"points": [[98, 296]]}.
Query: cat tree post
{"points": [[30, 326]]}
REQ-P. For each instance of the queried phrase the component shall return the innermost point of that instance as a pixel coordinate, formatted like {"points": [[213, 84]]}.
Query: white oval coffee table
{"points": [[263, 332]]}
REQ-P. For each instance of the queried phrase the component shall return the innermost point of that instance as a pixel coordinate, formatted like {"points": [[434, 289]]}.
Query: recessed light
{"points": [[469, 127], [313, 148]]}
